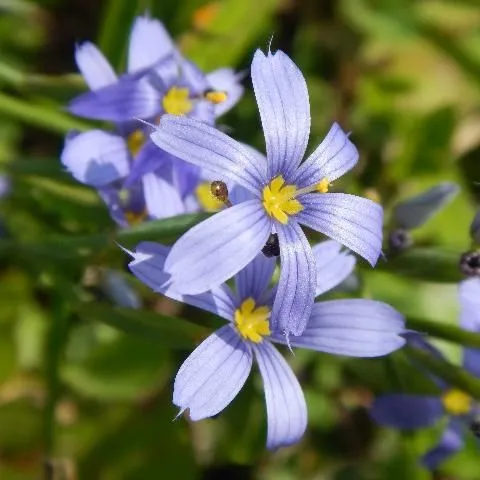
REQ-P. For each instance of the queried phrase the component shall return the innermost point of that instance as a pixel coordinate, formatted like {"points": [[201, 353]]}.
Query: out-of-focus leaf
{"points": [[164, 331], [43, 167], [429, 264], [415, 211], [125, 368], [231, 23], [48, 118], [469, 164]]}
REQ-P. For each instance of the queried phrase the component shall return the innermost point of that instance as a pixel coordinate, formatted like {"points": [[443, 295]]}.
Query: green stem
{"points": [[451, 374], [450, 333]]}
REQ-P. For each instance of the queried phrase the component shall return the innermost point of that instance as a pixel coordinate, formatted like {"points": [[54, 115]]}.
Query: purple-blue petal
{"points": [[469, 293], [96, 158], [406, 412], [148, 159], [94, 67], [335, 156], [149, 42], [252, 281], [228, 81], [148, 266], [162, 198], [353, 221], [352, 327], [132, 96], [205, 146], [211, 377], [286, 407], [450, 443], [296, 287], [216, 249], [333, 265], [282, 99]]}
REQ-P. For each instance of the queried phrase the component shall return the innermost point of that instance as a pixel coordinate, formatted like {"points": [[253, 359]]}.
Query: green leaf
{"points": [[165, 331], [429, 264]]}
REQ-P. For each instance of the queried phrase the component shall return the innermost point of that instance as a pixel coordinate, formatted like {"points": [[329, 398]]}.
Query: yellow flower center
{"points": [[135, 218], [216, 96], [135, 142], [279, 199], [177, 101], [206, 199], [252, 323], [456, 402]]}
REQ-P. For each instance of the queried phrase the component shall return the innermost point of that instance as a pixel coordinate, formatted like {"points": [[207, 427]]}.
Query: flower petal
{"points": [[333, 265], [211, 377], [282, 99], [405, 411], [149, 159], [286, 407], [96, 158], [148, 266], [162, 199], [205, 146], [149, 42], [469, 291], [93, 66], [228, 81], [352, 327], [133, 96], [353, 221], [216, 249], [335, 156], [450, 443], [296, 287], [253, 280]]}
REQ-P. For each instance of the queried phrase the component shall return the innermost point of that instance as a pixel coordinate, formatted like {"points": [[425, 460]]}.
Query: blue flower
{"points": [[136, 179], [408, 412], [215, 372], [284, 194]]}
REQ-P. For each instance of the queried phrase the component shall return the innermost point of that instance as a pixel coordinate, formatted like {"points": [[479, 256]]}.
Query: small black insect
{"points": [[272, 247]]}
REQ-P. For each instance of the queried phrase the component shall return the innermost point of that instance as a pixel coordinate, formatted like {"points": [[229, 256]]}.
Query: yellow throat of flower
{"points": [[252, 323], [205, 198], [456, 402], [135, 142], [279, 199], [177, 101]]}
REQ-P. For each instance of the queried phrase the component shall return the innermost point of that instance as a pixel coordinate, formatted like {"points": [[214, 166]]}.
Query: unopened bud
{"points": [[399, 240], [475, 228], [470, 264]]}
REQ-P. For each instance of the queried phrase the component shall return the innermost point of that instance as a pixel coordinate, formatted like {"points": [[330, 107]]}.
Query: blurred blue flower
{"points": [[215, 372], [284, 194], [409, 412], [134, 178]]}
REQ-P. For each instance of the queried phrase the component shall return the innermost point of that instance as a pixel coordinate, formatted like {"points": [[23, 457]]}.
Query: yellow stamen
{"points": [[205, 198], [135, 142], [177, 101], [278, 200], [456, 402], [135, 218], [322, 186], [252, 323], [216, 97]]}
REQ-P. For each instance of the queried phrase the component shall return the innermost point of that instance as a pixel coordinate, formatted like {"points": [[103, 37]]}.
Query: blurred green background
{"points": [[86, 385]]}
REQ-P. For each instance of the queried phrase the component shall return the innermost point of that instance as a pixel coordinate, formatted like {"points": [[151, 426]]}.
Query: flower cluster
{"points": [[153, 168]]}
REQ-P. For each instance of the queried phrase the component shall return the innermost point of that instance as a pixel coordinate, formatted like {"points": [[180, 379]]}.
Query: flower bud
{"points": [[470, 264], [475, 228]]}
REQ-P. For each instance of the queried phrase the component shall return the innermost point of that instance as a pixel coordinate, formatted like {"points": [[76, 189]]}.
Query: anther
{"points": [[470, 264], [272, 247], [215, 96]]}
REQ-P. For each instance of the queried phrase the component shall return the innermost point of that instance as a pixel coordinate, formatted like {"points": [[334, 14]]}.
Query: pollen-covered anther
{"points": [[456, 402], [135, 142], [135, 218], [323, 185], [279, 201], [177, 101], [216, 96], [251, 321]]}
